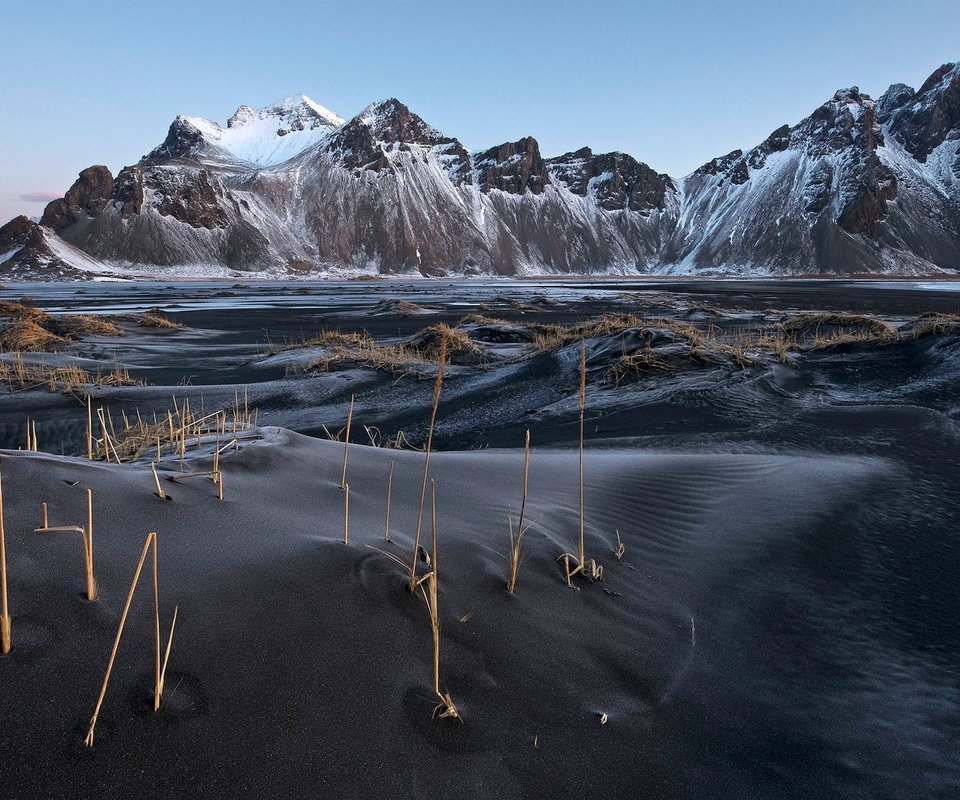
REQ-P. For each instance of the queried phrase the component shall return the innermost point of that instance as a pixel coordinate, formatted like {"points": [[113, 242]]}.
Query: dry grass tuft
{"points": [[20, 310], [636, 363], [861, 323], [777, 343], [405, 307], [75, 325], [31, 330], [154, 318], [25, 335], [24, 375], [933, 324], [357, 348], [172, 432], [430, 342], [480, 319], [837, 338]]}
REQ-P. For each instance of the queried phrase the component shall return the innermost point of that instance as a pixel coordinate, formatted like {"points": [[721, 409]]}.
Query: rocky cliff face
{"points": [[512, 167], [858, 186], [840, 192], [614, 181], [88, 197]]}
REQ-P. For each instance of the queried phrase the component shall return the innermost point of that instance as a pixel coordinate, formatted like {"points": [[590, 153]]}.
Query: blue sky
{"points": [[673, 84]]}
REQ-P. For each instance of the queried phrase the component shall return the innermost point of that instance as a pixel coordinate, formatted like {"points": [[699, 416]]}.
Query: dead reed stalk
{"points": [[446, 708], [582, 404], [86, 533], [621, 550], [160, 669], [579, 560], [437, 389], [6, 643], [89, 429], [156, 481], [88, 545], [346, 445], [516, 539], [386, 524], [346, 514]]}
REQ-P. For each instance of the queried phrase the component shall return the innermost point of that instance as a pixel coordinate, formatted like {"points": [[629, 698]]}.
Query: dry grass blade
{"points": [[6, 643], [621, 548], [582, 407], [386, 523], [86, 533], [156, 482], [151, 542], [346, 445], [516, 539], [437, 390], [446, 708], [166, 657]]}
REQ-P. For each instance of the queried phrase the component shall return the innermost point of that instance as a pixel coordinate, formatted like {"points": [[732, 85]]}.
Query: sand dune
{"points": [[302, 662]]}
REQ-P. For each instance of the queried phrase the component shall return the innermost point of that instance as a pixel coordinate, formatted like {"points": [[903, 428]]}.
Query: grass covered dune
{"points": [[301, 666]]}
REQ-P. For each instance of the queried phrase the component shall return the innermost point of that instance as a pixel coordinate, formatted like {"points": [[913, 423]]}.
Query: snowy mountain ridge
{"points": [[858, 186]]}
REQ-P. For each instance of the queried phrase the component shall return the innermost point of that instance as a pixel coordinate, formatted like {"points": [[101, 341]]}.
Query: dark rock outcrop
{"points": [[616, 181], [183, 141], [512, 167], [88, 197], [933, 114], [366, 141], [18, 233]]}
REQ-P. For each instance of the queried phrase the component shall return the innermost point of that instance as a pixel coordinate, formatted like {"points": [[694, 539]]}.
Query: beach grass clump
{"points": [[632, 365], [28, 329], [128, 438], [777, 343], [553, 336], [73, 326], [21, 310], [934, 324], [428, 343], [21, 374], [861, 327], [155, 318], [26, 335], [482, 319], [357, 348]]}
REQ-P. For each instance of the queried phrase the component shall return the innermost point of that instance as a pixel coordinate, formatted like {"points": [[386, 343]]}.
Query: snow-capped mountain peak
{"points": [[262, 137], [297, 112]]}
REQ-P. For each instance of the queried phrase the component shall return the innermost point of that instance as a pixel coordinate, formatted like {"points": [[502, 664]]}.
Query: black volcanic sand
{"points": [[783, 625]]}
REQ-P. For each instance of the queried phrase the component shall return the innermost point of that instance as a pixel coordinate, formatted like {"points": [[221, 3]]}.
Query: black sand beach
{"points": [[782, 623]]}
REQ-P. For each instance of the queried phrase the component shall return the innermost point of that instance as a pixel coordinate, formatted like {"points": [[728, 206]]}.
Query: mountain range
{"points": [[861, 185]]}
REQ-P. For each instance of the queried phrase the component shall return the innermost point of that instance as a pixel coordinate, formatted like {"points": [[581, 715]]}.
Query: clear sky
{"points": [[672, 83]]}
